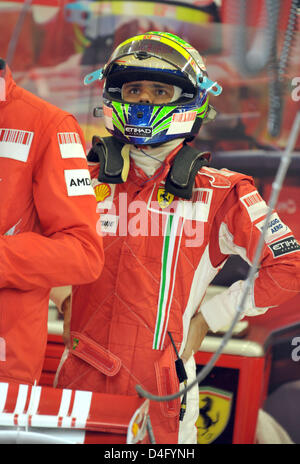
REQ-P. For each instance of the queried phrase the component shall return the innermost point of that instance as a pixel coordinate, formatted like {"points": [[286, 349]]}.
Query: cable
{"points": [[182, 377], [256, 59], [251, 62], [276, 187], [277, 69]]}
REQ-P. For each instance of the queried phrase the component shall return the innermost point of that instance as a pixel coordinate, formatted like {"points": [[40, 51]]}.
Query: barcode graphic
{"points": [[252, 199], [68, 137], [201, 196], [70, 145], [184, 117], [16, 136]]}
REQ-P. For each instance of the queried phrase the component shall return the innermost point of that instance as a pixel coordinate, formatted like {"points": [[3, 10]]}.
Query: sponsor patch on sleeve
{"points": [[78, 182], [109, 223], [104, 194], [15, 144], [276, 228], [255, 205], [70, 145], [197, 209], [284, 247]]}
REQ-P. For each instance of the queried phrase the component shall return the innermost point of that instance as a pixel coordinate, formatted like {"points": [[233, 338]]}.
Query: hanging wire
{"points": [[264, 54], [277, 70], [251, 62]]}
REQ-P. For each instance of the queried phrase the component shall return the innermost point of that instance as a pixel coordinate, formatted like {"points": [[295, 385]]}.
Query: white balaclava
{"points": [[150, 158]]}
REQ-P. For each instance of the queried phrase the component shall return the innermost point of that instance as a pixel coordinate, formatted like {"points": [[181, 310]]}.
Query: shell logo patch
{"points": [[214, 413], [102, 191], [164, 198]]}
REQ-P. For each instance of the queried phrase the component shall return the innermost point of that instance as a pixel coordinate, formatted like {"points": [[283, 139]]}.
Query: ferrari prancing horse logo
{"points": [[164, 198], [214, 413]]}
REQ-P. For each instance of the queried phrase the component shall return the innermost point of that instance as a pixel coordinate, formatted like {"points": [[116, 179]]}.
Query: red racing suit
{"points": [[161, 253], [47, 223]]}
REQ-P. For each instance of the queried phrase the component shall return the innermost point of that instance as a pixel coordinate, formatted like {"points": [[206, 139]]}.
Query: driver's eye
{"points": [[133, 90]]}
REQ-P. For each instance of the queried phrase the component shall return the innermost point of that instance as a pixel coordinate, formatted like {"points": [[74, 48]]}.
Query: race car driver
{"points": [[48, 221], [169, 224]]}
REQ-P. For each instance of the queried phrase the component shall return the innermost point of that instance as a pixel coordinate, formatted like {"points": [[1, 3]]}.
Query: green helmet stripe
{"points": [[118, 110], [201, 112], [155, 112], [162, 114], [117, 123], [125, 111], [162, 126], [173, 37]]}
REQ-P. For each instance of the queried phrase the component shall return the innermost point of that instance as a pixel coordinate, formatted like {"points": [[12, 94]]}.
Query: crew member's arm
{"points": [[59, 294], [69, 251], [61, 297]]}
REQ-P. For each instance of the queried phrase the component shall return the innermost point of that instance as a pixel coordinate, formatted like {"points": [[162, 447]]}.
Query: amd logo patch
{"points": [[284, 246], [135, 131], [78, 182]]}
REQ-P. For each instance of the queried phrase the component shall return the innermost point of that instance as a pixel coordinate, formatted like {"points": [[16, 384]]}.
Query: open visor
{"points": [[157, 54], [144, 51]]}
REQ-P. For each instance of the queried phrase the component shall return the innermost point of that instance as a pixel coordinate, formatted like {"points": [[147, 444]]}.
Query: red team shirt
{"points": [[48, 220]]}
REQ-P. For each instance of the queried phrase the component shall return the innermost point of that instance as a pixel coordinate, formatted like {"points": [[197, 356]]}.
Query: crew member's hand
{"points": [[197, 331], [67, 311]]}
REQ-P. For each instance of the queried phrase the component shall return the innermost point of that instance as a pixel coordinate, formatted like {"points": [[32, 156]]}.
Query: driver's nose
{"points": [[145, 96]]}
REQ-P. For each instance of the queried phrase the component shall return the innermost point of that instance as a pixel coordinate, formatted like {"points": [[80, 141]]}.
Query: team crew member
{"points": [[183, 220], [48, 220]]}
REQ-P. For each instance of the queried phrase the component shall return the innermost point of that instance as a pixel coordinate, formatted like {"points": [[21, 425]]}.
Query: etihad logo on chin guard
{"points": [[136, 131]]}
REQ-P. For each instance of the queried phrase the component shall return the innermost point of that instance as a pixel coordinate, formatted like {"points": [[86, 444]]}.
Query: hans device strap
{"points": [[114, 164], [113, 156], [181, 177]]}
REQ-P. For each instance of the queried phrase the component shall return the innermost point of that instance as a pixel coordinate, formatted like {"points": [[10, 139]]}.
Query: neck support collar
{"points": [[113, 156]]}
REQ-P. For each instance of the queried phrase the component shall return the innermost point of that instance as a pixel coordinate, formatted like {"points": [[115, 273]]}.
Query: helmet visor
{"points": [[142, 49]]}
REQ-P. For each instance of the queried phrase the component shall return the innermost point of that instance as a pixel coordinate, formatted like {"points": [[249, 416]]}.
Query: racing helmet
{"points": [[165, 58]]}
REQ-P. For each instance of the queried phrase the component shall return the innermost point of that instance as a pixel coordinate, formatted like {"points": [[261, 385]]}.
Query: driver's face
{"points": [[147, 92]]}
